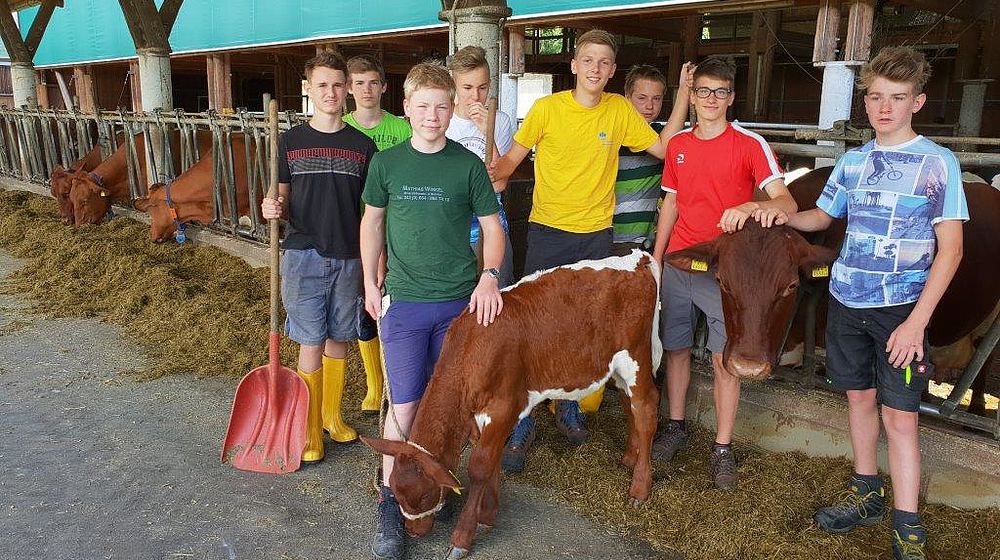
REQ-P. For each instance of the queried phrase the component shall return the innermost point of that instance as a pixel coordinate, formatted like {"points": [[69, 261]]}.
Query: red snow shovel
{"points": [[267, 427]]}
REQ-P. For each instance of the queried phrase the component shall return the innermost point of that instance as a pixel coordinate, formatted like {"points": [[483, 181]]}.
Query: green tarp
{"points": [[95, 30]]}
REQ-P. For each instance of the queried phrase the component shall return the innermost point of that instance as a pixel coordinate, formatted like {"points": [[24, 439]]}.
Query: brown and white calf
{"points": [[563, 332]]}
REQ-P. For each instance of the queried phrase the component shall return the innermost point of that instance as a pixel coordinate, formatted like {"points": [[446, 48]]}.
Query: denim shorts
{"points": [[680, 293], [856, 358], [320, 296], [412, 334]]}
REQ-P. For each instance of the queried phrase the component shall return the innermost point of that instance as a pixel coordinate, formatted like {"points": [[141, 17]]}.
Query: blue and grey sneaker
{"points": [[390, 534], [571, 422], [908, 543], [859, 506], [516, 451]]}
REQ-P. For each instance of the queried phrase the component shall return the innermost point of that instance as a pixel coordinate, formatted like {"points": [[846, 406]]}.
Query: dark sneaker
{"points": [[723, 468], [859, 506], [668, 441], [570, 421], [390, 535], [908, 544], [516, 451]]}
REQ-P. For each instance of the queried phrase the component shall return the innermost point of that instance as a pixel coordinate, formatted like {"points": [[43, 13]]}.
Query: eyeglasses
{"points": [[720, 93]]}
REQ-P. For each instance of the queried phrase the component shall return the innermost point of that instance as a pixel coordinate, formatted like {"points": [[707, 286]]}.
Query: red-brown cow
{"points": [[759, 281], [489, 377], [61, 181], [192, 195]]}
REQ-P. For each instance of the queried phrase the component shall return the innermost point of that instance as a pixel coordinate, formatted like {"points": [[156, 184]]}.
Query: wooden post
{"points": [[827, 31], [859, 31], [515, 50], [42, 90], [692, 37], [966, 64], [327, 46], [135, 88], [220, 88], [83, 83]]}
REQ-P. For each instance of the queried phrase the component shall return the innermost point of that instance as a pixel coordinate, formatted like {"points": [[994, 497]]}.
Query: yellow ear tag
{"points": [[103, 194], [821, 272], [457, 490], [700, 266]]}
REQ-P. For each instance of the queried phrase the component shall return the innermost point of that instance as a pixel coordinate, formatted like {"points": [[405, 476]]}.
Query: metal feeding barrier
{"points": [[167, 143]]}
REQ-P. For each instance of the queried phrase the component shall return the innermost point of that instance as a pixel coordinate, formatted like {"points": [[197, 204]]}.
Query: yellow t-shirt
{"points": [[576, 159]]}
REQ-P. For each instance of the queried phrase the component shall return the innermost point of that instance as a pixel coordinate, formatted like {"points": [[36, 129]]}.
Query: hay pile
{"points": [[197, 310]]}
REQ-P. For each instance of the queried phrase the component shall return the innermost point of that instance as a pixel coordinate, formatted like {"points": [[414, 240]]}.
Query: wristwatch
{"points": [[493, 271]]}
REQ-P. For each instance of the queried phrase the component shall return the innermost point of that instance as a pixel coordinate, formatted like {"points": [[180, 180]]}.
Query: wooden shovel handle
{"points": [[272, 115], [491, 123]]}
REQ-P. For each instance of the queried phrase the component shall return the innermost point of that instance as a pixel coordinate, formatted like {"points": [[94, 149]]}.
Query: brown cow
{"points": [[192, 195], [61, 181], [759, 281], [490, 377]]}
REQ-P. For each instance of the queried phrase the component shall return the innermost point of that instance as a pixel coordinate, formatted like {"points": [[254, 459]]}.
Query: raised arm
{"points": [[679, 113]]}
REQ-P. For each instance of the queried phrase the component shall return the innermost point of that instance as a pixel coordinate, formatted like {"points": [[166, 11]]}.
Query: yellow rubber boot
{"points": [[314, 425], [333, 394], [592, 402], [371, 356]]}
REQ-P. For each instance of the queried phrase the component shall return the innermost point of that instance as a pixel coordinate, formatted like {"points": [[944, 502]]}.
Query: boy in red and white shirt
{"points": [[709, 175]]}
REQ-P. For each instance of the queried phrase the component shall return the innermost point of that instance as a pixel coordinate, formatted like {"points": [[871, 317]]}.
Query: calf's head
{"points": [[419, 482], [60, 183], [759, 271], [91, 200]]}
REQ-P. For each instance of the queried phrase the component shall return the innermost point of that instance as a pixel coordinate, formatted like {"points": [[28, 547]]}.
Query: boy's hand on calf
{"points": [[486, 301], [768, 217], [734, 218]]}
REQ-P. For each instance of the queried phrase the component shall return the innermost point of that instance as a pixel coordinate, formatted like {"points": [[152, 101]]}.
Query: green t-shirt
{"points": [[429, 201], [391, 130]]}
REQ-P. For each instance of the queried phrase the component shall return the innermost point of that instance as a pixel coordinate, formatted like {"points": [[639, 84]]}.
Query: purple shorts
{"points": [[412, 334]]}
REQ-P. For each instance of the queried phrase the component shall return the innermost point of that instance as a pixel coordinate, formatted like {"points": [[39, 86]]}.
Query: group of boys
{"points": [[408, 257]]}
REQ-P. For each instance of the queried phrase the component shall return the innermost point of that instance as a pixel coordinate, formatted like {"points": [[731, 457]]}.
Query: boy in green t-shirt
{"points": [[420, 197], [366, 83]]}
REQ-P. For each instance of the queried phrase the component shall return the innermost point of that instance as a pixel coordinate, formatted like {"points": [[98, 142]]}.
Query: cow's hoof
{"points": [[457, 553], [482, 529], [636, 503]]}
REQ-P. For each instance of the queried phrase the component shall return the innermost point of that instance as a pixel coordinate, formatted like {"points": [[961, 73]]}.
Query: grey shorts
{"points": [[680, 293], [320, 296]]}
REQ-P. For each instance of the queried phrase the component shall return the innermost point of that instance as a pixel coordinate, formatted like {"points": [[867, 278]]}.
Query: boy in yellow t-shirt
{"points": [[577, 135]]}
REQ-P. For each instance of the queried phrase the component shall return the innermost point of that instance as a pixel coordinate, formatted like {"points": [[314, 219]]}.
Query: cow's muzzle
{"points": [[749, 369]]}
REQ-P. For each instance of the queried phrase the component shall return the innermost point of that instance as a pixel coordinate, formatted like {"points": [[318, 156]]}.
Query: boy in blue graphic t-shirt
{"points": [[903, 199]]}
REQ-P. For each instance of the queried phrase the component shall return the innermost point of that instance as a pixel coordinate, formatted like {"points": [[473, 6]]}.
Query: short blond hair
{"points": [[897, 64], [468, 59], [597, 37], [428, 75], [364, 63]]}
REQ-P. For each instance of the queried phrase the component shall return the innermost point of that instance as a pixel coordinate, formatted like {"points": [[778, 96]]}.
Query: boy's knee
{"points": [[899, 422]]}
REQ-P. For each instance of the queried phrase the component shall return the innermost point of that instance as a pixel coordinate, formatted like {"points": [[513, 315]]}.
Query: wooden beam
{"points": [[860, 23], [692, 37], [135, 88], [220, 87], [968, 10], [145, 25], [83, 84], [168, 15], [827, 31], [41, 22], [12, 37], [515, 50]]}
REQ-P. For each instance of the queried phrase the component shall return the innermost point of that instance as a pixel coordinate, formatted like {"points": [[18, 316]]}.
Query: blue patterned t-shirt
{"points": [[892, 197]]}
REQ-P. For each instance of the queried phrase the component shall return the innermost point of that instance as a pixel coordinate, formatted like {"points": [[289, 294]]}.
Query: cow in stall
{"points": [[751, 273], [192, 196], [93, 193], [61, 181], [490, 377]]}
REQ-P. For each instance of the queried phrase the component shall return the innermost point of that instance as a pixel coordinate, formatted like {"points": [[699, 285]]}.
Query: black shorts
{"points": [[550, 247], [856, 358]]}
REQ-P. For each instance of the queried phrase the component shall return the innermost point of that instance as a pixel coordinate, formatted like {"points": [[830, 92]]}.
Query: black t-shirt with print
{"points": [[326, 172]]}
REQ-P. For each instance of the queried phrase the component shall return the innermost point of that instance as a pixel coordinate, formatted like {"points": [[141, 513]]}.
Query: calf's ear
{"points": [[440, 475], [386, 446], [141, 204], [696, 258], [814, 260]]}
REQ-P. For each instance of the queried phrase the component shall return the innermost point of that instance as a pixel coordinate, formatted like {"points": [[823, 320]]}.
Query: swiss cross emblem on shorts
{"points": [[921, 369], [680, 158]]}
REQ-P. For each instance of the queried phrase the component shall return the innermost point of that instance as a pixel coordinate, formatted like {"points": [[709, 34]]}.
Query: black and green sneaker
{"points": [[859, 506], [908, 543]]}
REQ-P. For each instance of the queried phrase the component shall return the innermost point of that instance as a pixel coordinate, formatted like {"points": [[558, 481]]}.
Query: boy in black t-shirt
{"points": [[322, 167]]}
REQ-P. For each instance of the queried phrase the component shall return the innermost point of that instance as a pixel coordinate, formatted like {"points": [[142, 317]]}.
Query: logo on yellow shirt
{"points": [[603, 137]]}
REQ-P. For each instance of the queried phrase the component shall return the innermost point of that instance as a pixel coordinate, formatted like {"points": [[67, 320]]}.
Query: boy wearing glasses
{"points": [[709, 175], [876, 341]]}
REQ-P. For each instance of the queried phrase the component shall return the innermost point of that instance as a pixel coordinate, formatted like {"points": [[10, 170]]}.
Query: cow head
{"points": [[161, 221], [419, 482], [60, 184], [91, 200], [759, 271]]}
